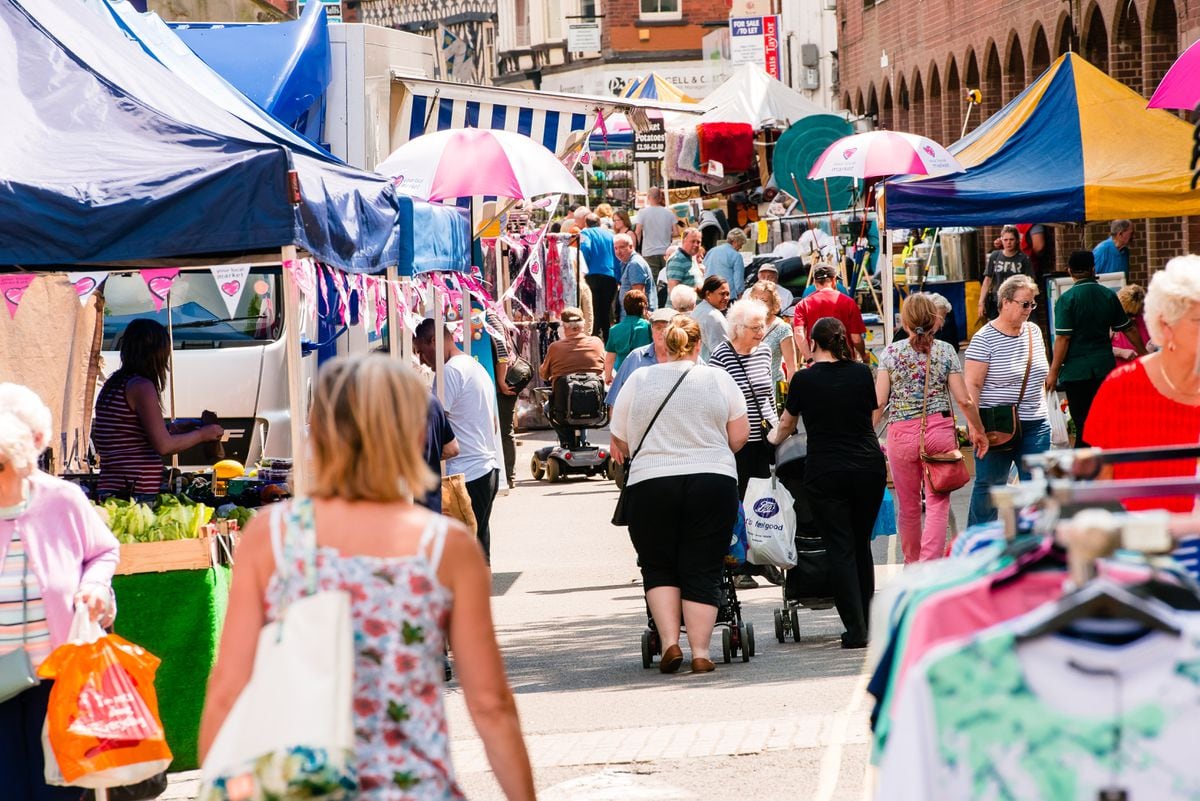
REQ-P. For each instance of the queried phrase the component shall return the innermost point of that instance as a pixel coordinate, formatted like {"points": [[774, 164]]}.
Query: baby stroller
{"points": [[807, 585], [737, 637], [573, 404]]}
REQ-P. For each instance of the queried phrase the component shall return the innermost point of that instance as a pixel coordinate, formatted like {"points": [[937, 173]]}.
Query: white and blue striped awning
{"points": [[430, 106]]}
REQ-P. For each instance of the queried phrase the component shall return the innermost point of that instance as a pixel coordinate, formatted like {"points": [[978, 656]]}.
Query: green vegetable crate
{"points": [[171, 600]]}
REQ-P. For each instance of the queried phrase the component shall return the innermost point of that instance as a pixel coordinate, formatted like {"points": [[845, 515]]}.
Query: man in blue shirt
{"points": [[634, 271], [1112, 255], [596, 247], [654, 353], [725, 261]]}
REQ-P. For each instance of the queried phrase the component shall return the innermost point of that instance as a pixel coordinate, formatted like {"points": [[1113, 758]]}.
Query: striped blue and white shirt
{"points": [[1006, 358]]}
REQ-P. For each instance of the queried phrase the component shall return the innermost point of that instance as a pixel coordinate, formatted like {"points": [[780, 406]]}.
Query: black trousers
{"points": [[21, 762], [506, 405], [483, 493], [604, 295], [754, 460], [680, 527], [845, 504], [1080, 395]]}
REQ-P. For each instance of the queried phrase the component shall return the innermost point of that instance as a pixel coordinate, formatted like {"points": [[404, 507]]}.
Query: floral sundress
{"points": [[400, 612]]}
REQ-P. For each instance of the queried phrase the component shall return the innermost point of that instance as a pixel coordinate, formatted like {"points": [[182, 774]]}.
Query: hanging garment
{"points": [[730, 143]]}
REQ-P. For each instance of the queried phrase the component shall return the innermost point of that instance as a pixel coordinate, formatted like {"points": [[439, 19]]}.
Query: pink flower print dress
{"points": [[400, 612]]}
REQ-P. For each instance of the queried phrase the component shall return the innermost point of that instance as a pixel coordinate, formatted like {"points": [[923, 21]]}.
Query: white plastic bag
{"points": [[770, 523], [1059, 438]]}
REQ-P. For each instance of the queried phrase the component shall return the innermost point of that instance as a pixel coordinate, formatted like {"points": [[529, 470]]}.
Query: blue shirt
{"points": [[1110, 258], [636, 271], [639, 357], [811, 288], [596, 245], [725, 262]]}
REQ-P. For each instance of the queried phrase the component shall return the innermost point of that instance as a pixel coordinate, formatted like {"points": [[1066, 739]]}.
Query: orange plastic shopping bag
{"points": [[102, 718]]}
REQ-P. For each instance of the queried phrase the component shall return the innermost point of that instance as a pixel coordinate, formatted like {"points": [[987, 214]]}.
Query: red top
{"points": [[829, 303], [1129, 412]]}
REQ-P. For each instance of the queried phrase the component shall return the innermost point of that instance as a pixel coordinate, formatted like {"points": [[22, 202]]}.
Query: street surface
{"points": [[789, 724]]}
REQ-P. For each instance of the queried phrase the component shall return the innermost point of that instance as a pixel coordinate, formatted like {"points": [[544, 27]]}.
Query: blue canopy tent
{"points": [[284, 67]]}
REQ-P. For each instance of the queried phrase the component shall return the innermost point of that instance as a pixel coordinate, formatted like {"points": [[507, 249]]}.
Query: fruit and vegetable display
{"points": [[171, 517]]}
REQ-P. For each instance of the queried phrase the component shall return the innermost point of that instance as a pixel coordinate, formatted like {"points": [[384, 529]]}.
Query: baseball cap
{"points": [[823, 272], [571, 315], [769, 265], [662, 315]]}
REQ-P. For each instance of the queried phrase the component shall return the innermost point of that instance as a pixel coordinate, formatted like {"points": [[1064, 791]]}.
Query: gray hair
{"points": [[1119, 226], [736, 237], [941, 302], [744, 311], [24, 404], [1014, 284], [683, 298], [1173, 290], [626, 238]]}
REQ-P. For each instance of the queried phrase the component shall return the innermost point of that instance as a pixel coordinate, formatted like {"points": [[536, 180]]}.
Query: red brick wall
{"points": [[621, 26], [917, 35]]}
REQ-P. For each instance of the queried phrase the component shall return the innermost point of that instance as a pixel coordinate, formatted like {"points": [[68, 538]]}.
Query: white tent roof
{"points": [[751, 95]]}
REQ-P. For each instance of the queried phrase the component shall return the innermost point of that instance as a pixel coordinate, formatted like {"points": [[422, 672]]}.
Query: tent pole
{"points": [[885, 281], [393, 319], [295, 367], [465, 315], [406, 347], [439, 342], [170, 371]]}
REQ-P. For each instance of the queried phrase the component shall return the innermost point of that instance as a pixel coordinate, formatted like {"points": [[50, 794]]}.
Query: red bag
{"points": [[102, 719]]}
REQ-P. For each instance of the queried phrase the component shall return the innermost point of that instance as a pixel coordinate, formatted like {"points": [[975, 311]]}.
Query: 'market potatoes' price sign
{"points": [[650, 144], [755, 40]]}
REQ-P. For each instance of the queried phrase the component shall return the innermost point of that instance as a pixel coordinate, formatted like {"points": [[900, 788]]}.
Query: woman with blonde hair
{"points": [[414, 578], [778, 336], [56, 554], [917, 377], [1133, 301], [681, 489]]}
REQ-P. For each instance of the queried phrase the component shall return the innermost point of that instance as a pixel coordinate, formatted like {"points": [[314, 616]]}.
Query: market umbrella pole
{"points": [[295, 366], [885, 280], [171, 371]]}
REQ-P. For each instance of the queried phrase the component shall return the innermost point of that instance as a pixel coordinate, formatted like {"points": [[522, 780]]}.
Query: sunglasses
{"points": [[1025, 304]]}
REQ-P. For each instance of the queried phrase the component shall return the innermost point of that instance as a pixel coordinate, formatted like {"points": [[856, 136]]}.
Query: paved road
{"points": [[791, 723]]}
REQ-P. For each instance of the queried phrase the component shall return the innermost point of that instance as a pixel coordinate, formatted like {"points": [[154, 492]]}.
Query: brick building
{"points": [[465, 55], [908, 63], [636, 37]]}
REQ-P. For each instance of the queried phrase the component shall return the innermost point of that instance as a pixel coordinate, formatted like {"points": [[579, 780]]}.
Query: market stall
{"points": [[1075, 128], [206, 188]]}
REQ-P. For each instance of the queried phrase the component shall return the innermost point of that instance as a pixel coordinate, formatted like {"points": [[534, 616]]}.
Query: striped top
{"points": [[754, 377], [128, 462], [14, 624], [1005, 357]]}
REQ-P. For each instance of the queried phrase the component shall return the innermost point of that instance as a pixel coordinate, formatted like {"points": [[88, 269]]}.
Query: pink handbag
{"points": [[945, 471]]}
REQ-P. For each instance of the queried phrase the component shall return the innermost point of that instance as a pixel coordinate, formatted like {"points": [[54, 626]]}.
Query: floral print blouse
{"points": [[906, 369], [400, 614]]}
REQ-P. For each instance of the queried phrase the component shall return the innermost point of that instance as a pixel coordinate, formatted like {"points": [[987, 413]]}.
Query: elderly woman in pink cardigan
{"points": [[55, 554]]}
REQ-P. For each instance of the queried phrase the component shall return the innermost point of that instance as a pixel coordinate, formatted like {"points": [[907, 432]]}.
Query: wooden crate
{"points": [[160, 557]]}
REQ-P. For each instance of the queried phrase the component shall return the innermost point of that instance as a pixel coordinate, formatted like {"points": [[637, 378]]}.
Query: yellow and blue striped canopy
{"points": [[1075, 146], [656, 87]]}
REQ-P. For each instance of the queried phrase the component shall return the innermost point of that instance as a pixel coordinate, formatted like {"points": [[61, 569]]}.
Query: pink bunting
{"points": [[13, 287], [159, 281]]}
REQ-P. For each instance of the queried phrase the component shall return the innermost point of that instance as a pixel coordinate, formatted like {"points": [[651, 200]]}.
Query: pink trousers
{"points": [[904, 457]]}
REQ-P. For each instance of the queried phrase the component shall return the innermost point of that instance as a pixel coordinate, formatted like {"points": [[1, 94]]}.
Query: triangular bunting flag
{"points": [[13, 287], [86, 284], [159, 282], [231, 283]]}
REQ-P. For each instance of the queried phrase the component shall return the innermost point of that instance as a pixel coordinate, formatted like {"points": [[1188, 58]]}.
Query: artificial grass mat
{"points": [[177, 616]]}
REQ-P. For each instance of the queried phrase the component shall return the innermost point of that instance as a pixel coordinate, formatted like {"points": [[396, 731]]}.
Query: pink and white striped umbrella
{"points": [[867, 155], [466, 162]]}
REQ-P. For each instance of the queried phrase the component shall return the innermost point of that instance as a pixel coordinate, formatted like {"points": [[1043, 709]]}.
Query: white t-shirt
{"points": [[470, 402], [658, 229], [989, 719], [689, 436], [818, 240]]}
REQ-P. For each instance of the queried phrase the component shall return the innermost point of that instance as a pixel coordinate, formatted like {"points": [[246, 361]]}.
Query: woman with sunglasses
{"points": [[1006, 365]]}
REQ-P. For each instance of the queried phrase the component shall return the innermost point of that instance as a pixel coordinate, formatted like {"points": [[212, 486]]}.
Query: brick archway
{"points": [[1062, 42], [1093, 40], [1126, 52], [1014, 69], [860, 108], [902, 118], [1160, 44], [993, 82], [887, 111], [952, 103], [1039, 54], [873, 106], [934, 110], [917, 119]]}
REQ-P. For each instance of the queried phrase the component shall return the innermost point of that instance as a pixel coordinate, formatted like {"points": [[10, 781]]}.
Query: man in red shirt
{"points": [[828, 302]]}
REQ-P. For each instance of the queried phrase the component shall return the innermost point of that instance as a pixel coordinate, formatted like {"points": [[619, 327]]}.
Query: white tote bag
{"points": [[770, 523], [290, 734], [1059, 436]]}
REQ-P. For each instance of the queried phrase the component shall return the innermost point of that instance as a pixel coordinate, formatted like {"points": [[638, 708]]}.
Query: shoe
{"points": [[849, 643], [773, 575], [672, 658], [702, 665], [744, 583]]}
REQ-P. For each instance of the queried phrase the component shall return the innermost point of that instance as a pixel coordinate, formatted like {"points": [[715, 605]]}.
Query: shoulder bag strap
{"points": [[752, 397], [656, 414], [925, 398], [1025, 381]]}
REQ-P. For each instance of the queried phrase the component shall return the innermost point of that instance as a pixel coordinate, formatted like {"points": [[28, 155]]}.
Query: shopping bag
{"points": [[290, 733], [737, 542], [1059, 436], [456, 501], [770, 523], [885, 521], [102, 719]]}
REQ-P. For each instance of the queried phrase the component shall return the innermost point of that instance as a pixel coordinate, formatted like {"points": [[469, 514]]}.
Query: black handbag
{"points": [[620, 516], [519, 374], [144, 790]]}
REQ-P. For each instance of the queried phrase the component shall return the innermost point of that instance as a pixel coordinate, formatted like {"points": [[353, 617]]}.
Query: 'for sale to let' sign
{"points": [[755, 40]]}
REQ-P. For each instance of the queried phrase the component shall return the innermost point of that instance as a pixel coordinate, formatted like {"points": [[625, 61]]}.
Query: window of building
{"points": [[587, 10], [661, 9], [521, 20]]}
